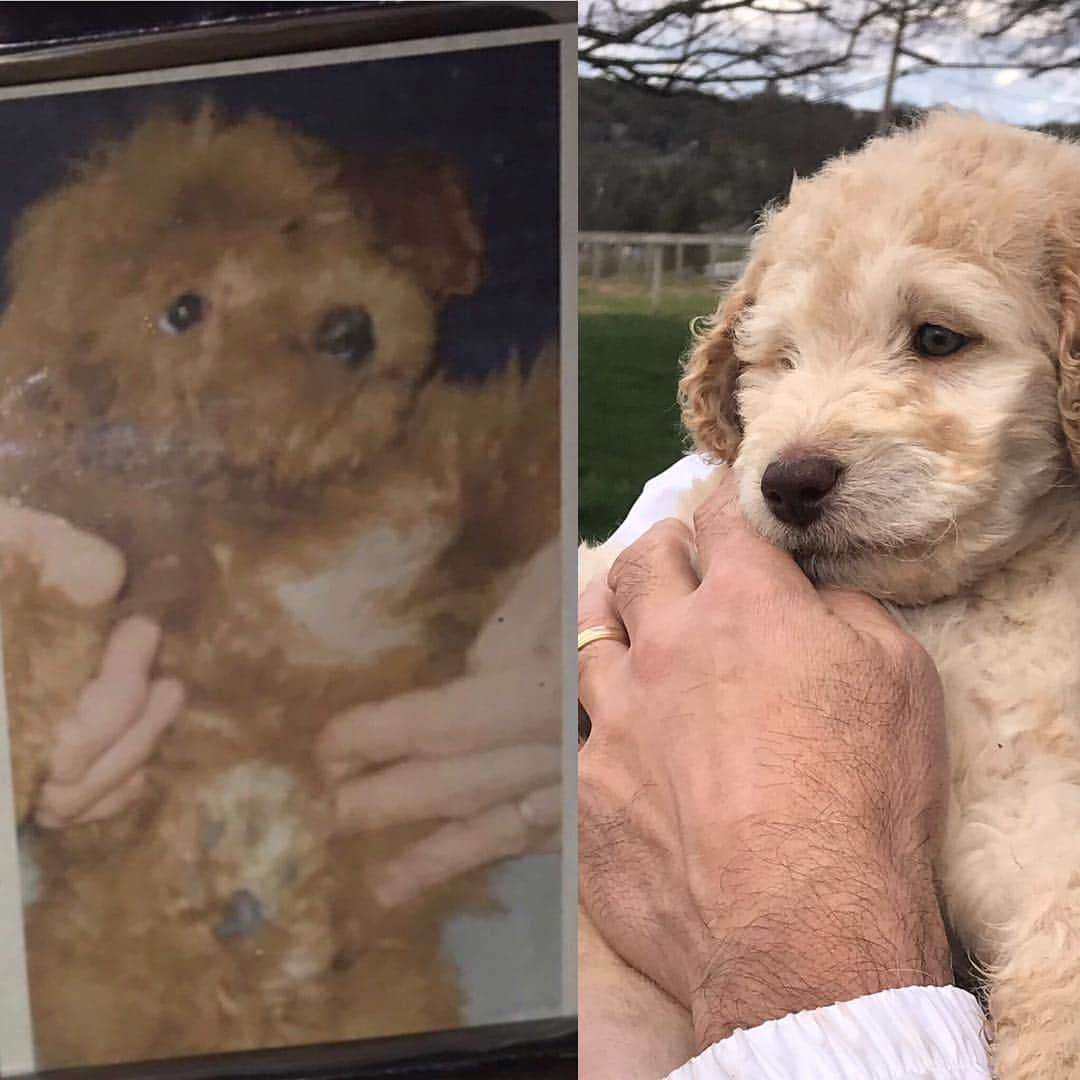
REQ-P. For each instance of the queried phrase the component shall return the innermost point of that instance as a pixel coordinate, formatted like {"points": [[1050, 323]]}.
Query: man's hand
{"points": [[763, 786]]}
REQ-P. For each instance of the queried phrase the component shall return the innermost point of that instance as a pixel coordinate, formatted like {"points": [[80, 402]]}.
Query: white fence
{"points": [[602, 254]]}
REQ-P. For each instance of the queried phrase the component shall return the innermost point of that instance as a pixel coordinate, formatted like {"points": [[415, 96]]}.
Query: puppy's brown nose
{"points": [[795, 491]]}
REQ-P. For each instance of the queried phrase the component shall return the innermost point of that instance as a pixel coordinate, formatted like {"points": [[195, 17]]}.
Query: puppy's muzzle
{"points": [[797, 491]]}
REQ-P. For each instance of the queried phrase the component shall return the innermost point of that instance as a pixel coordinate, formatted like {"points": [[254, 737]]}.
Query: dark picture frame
{"points": [[45, 46]]}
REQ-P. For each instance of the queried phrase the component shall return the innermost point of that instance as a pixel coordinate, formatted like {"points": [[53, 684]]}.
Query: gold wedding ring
{"points": [[601, 633]]}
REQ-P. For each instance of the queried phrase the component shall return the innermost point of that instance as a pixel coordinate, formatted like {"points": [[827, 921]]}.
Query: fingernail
{"points": [[528, 811], [534, 812], [144, 625]]}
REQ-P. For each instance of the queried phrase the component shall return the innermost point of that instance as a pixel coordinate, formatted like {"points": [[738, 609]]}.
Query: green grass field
{"points": [[628, 423]]}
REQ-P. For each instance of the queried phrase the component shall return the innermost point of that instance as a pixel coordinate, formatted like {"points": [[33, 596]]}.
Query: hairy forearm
{"points": [[796, 954]]}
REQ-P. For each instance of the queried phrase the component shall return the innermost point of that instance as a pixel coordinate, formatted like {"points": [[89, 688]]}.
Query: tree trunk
{"points": [[886, 114]]}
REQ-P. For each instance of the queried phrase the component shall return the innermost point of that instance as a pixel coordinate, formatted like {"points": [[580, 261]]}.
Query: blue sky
{"points": [[1000, 93], [1006, 94]]}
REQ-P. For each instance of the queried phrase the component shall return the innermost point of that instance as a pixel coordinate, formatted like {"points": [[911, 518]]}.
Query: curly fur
{"points": [[958, 501], [706, 392], [312, 530]]}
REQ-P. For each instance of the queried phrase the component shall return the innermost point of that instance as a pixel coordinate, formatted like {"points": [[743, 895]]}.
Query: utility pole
{"points": [[886, 114]]}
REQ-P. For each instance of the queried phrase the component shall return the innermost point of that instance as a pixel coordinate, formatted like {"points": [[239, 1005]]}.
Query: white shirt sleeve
{"points": [[917, 1033]]}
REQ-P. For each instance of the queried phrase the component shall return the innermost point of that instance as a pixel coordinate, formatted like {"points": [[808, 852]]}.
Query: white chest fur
{"points": [[355, 607]]}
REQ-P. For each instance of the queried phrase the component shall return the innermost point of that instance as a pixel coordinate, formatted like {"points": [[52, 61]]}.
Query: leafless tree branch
{"points": [[707, 42], [716, 44]]}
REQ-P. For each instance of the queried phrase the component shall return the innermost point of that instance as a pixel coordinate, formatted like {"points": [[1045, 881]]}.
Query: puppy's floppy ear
{"points": [[423, 214], [1068, 347], [707, 386]]}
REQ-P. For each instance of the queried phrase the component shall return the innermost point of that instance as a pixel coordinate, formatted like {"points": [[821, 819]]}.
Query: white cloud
{"points": [[1007, 77]]}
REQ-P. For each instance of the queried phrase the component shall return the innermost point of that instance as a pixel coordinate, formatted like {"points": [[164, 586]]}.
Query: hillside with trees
{"points": [[690, 161]]}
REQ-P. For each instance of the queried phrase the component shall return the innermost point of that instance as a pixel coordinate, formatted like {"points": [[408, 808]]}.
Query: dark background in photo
{"points": [[493, 111]]}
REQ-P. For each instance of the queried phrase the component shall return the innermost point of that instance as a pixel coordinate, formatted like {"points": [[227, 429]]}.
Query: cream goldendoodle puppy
{"points": [[895, 381]]}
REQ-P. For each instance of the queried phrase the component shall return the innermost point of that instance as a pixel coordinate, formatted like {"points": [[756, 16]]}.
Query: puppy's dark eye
{"points": [[347, 335], [934, 340], [183, 313]]}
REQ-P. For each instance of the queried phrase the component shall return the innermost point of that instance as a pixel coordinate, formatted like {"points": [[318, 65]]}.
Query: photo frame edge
{"points": [[16, 1056]]}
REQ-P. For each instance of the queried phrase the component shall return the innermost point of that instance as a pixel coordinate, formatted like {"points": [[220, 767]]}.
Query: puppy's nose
{"points": [[795, 491], [243, 915]]}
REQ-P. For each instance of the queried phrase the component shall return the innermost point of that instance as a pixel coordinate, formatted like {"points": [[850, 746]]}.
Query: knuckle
{"points": [[631, 571], [705, 516], [715, 513], [667, 532]]}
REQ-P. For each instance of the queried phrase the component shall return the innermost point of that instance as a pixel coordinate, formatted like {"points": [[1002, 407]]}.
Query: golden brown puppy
{"points": [[219, 356], [894, 383]]}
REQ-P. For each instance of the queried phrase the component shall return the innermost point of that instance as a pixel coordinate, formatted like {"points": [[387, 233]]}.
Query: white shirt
{"points": [[917, 1033]]}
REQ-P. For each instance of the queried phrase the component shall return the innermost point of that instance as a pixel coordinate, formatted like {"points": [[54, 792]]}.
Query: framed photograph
{"points": [[285, 501]]}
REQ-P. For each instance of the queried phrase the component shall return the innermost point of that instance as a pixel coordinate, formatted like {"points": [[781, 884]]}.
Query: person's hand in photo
{"points": [[763, 787], [478, 758], [96, 765]]}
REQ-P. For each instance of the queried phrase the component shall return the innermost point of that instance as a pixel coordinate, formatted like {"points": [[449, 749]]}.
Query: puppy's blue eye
{"points": [[183, 313], [934, 340]]}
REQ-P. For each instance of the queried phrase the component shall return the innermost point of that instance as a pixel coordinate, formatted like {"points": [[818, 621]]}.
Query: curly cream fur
{"points": [[958, 502], [707, 388]]}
